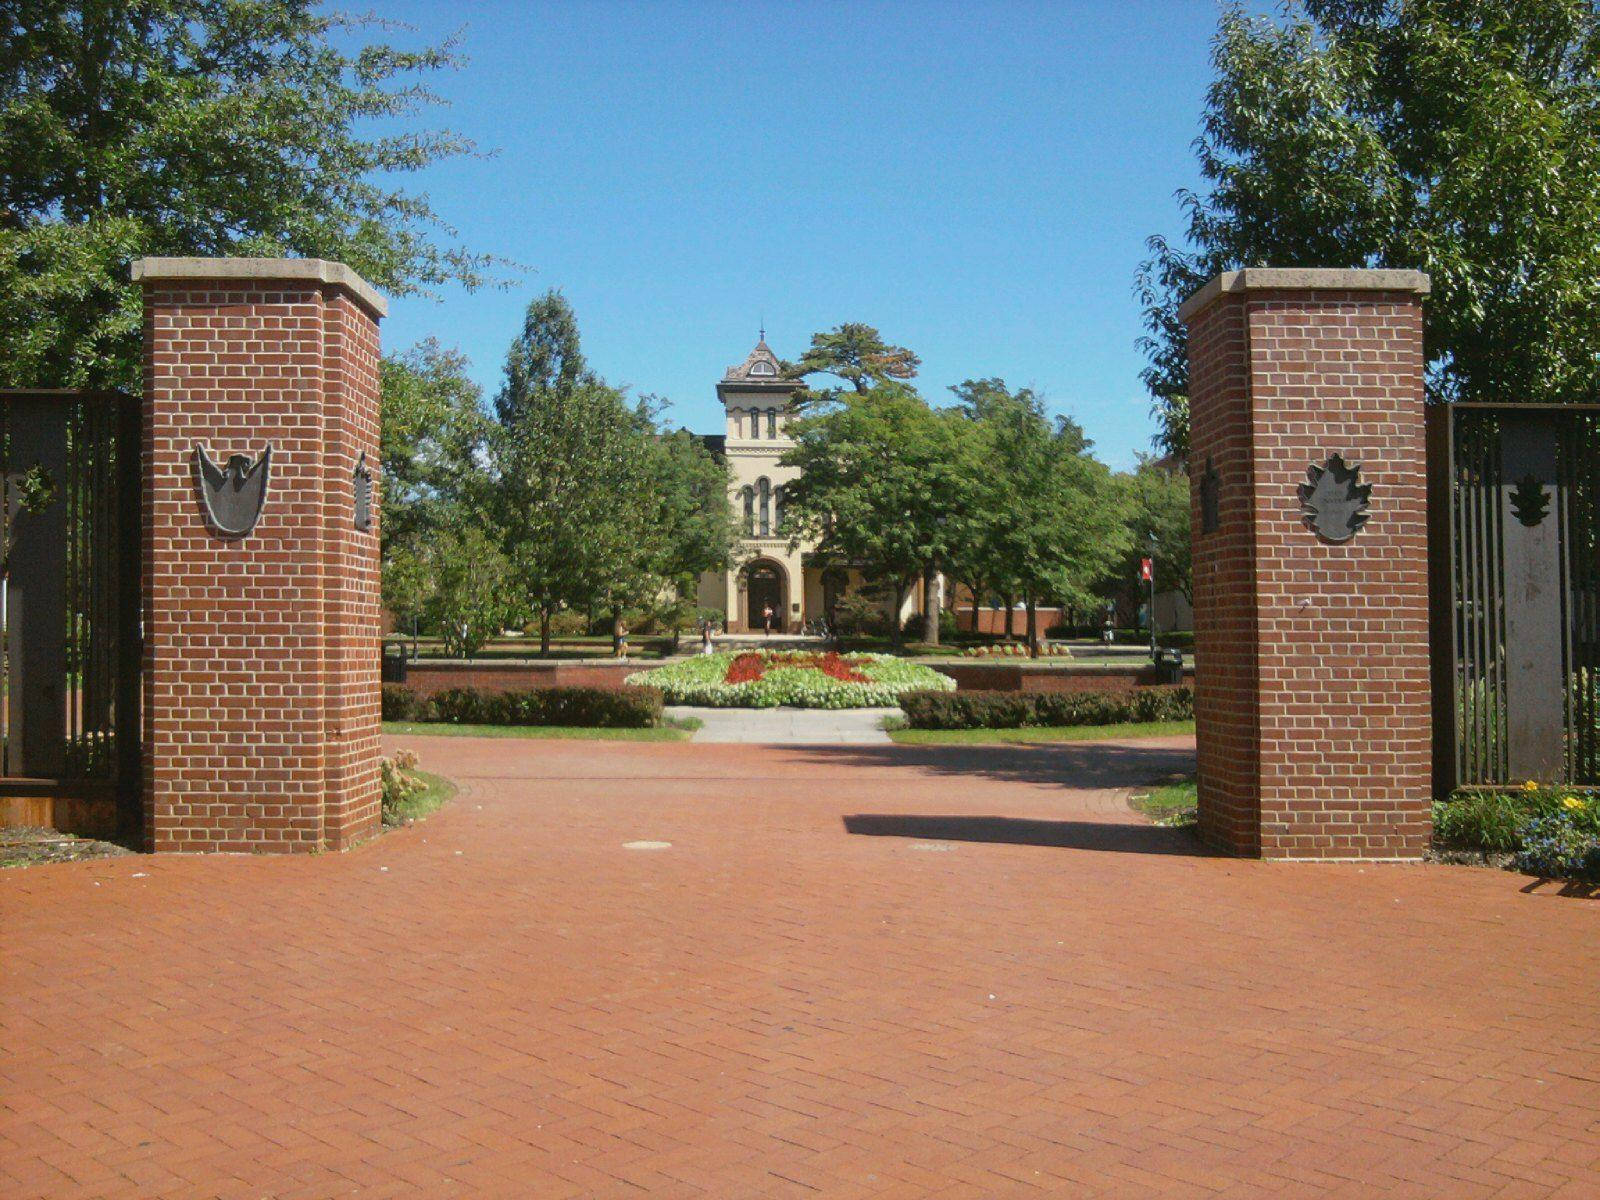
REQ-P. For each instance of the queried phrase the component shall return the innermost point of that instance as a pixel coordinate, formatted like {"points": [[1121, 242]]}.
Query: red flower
{"points": [[752, 665]]}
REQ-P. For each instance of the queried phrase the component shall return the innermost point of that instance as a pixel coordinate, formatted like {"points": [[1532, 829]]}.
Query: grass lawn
{"points": [[1041, 733], [1169, 804], [673, 732], [436, 796]]}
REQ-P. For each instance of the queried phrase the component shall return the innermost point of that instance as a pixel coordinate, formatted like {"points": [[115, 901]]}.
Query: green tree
{"points": [[408, 585], [1158, 523], [1454, 136], [886, 483], [685, 521], [857, 354], [1050, 520], [600, 511], [198, 127], [433, 430], [469, 599]]}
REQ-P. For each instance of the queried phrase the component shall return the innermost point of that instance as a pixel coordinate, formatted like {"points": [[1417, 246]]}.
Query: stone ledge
{"points": [[1321, 279], [319, 269]]}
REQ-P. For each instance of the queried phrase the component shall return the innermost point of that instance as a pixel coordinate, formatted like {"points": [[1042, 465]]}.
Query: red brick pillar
{"points": [[261, 648], [1311, 608]]}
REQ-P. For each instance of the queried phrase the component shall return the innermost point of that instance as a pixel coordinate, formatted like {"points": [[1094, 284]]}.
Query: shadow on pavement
{"points": [[1018, 831], [1068, 764]]}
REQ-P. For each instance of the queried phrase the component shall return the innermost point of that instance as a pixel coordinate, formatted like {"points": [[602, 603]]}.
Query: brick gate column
{"points": [[261, 649], [1311, 641]]}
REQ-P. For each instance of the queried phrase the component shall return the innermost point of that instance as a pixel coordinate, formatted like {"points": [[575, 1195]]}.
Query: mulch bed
{"points": [[28, 847]]}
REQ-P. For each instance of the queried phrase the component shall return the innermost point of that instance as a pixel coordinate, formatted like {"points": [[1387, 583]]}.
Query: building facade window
{"points": [[772, 422], [755, 423], [778, 500], [766, 507], [763, 368], [749, 496]]}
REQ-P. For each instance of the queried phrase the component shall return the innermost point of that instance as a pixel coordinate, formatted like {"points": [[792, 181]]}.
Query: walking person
{"points": [[766, 619]]}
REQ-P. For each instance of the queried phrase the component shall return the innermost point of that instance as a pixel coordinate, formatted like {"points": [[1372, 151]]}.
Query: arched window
{"points": [[766, 506], [749, 496], [755, 422], [763, 368], [778, 500]]}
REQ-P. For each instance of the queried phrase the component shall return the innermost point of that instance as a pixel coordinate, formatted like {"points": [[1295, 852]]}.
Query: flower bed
{"points": [[1550, 831], [767, 679]]}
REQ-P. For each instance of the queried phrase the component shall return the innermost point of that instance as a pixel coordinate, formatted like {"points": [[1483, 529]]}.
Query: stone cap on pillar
{"points": [[148, 270], [1302, 279]]}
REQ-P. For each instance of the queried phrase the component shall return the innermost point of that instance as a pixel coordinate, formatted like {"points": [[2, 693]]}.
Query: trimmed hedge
{"points": [[589, 707], [1014, 710]]}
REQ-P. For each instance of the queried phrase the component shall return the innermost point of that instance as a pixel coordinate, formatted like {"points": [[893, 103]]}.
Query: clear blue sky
{"points": [[976, 180]]}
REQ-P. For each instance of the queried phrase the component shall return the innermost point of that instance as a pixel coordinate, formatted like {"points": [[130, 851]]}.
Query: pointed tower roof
{"points": [[761, 371]]}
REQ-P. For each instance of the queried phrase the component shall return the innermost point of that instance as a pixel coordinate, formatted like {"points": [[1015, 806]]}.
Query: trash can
{"points": [[1169, 666]]}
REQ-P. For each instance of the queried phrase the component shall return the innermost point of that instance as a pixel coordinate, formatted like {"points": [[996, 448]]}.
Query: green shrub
{"points": [[399, 702], [1015, 710], [1492, 821], [587, 707]]}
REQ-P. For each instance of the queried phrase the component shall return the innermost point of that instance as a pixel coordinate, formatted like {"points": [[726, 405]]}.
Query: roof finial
{"points": [[762, 335]]}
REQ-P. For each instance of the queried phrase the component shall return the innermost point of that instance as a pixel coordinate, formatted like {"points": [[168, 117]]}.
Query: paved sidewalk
{"points": [[668, 970], [789, 726]]}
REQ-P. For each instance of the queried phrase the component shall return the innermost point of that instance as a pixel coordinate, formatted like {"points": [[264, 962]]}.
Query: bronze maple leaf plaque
{"points": [[1333, 501]]}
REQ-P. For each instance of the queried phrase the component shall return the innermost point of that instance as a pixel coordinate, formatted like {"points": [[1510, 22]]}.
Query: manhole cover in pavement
{"points": [[647, 845]]}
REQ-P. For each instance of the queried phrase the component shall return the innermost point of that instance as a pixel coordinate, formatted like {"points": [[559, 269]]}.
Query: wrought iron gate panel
{"points": [[1515, 543], [69, 619]]}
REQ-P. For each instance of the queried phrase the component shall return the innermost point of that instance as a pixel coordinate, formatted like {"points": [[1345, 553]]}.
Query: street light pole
{"points": [[1152, 572]]}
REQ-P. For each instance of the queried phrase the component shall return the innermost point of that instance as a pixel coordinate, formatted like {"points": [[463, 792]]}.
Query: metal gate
{"points": [[69, 611], [1515, 584]]}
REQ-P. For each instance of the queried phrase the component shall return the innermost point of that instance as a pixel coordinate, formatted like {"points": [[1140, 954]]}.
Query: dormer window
{"points": [[763, 368]]}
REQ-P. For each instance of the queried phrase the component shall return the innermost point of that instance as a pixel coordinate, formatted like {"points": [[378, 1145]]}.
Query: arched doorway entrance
{"points": [[764, 587]]}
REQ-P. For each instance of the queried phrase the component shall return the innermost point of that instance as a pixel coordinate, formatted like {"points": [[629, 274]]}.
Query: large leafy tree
{"points": [[857, 354], [432, 433], [1049, 520], [1461, 137], [887, 483], [198, 127], [598, 510]]}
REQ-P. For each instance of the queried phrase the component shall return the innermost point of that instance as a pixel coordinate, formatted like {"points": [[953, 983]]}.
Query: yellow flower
{"points": [[1572, 802], [1531, 786]]}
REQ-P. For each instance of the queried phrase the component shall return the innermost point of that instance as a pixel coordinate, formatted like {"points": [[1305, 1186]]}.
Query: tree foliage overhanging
{"points": [[205, 128], [1458, 137]]}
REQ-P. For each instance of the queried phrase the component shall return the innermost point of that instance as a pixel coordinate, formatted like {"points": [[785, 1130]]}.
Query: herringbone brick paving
{"points": [[505, 1002]]}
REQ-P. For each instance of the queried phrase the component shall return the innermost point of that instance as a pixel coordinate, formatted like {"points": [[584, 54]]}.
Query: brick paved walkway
{"points": [[1015, 989]]}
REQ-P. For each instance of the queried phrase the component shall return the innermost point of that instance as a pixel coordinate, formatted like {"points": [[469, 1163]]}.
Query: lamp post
{"points": [[1148, 569]]}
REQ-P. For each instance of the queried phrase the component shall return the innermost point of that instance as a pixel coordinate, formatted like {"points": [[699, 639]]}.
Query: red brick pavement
{"points": [[505, 1002]]}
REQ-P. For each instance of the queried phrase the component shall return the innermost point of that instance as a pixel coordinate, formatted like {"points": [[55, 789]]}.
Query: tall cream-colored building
{"points": [[767, 573]]}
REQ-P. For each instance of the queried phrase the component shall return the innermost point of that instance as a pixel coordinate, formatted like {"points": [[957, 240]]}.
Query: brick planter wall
{"points": [[427, 676], [1055, 677], [261, 715], [1312, 701]]}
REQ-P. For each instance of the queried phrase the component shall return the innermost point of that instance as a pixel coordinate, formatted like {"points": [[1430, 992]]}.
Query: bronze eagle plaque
{"points": [[234, 494]]}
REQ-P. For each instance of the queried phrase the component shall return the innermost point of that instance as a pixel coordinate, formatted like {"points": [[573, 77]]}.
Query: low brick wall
{"points": [[1055, 676], [427, 676]]}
